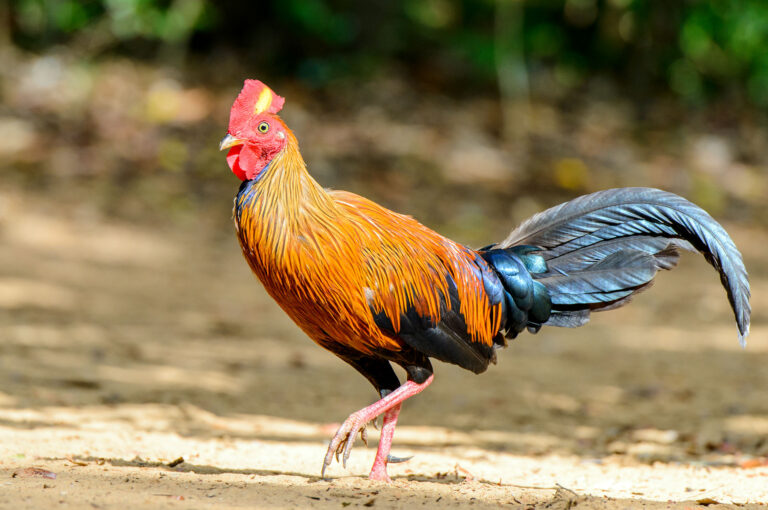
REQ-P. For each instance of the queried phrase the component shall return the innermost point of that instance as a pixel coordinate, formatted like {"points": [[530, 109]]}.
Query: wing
{"points": [[433, 295], [446, 337]]}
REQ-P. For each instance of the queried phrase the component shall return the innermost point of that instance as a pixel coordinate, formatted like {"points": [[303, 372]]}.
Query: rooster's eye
{"points": [[263, 127]]}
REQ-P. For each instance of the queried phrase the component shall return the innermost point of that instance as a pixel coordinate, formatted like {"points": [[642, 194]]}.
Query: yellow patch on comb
{"points": [[263, 102]]}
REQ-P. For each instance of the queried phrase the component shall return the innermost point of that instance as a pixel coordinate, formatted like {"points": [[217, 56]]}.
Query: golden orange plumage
{"points": [[331, 257]]}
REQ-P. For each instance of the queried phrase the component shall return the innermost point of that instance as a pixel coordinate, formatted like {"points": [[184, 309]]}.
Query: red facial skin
{"points": [[259, 145], [258, 148]]}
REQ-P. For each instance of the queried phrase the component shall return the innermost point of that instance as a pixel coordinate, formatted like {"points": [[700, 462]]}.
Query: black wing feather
{"points": [[447, 339]]}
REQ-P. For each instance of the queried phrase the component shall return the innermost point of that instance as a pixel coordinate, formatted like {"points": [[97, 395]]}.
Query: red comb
{"points": [[254, 99]]}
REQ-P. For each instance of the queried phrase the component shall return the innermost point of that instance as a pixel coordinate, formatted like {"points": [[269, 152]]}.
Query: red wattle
{"points": [[248, 161], [251, 162], [233, 160]]}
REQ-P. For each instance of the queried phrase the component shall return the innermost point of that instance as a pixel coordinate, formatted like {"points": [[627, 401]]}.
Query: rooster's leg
{"points": [[379, 469], [342, 441]]}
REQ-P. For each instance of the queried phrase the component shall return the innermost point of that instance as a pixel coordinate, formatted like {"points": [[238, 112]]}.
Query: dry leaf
{"points": [[34, 472], [468, 477], [76, 462], [753, 463]]}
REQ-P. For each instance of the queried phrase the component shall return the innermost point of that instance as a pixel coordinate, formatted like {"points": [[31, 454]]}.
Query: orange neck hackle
{"points": [[285, 197]]}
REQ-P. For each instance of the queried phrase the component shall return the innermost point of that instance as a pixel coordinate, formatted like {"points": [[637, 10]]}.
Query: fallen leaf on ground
{"points": [[753, 463], [32, 472], [172, 496], [468, 477], [71, 459]]}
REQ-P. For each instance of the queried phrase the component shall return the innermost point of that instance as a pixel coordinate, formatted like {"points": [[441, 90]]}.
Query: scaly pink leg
{"points": [[379, 469], [342, 441]]}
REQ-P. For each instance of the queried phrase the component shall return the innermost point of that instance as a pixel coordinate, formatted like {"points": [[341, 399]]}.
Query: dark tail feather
{"points": [[603, 248]]}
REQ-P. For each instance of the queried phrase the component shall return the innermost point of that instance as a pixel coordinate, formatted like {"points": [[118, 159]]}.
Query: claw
{"points": [[342, 442], [348, 449], [326, 463], [391, 459]]}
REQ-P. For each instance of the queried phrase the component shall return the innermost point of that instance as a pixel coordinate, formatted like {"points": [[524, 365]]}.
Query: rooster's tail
{"points": [[596, 251]]}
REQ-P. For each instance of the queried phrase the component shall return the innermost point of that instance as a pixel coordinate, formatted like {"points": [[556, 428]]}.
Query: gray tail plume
{"points": [[603, 248]]}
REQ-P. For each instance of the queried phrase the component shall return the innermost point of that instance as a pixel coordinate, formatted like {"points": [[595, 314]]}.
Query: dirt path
{"points": [[126, 348]]}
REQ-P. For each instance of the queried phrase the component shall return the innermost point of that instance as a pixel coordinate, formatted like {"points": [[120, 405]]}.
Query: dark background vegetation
{"points": [[461, 112]]}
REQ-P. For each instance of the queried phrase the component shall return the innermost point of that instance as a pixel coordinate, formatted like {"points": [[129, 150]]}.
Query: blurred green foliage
{"points": [[43, 22], [695, 49]]}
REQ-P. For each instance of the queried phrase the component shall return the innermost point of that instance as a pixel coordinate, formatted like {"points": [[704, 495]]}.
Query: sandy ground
{"points": [[145, 367]]}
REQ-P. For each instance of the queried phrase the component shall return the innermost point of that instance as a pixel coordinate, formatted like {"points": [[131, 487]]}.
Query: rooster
{"points": [[375, 287]]}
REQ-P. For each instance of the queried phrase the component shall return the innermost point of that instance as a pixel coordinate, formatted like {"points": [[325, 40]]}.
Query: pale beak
{"points": [[229, 141]]}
